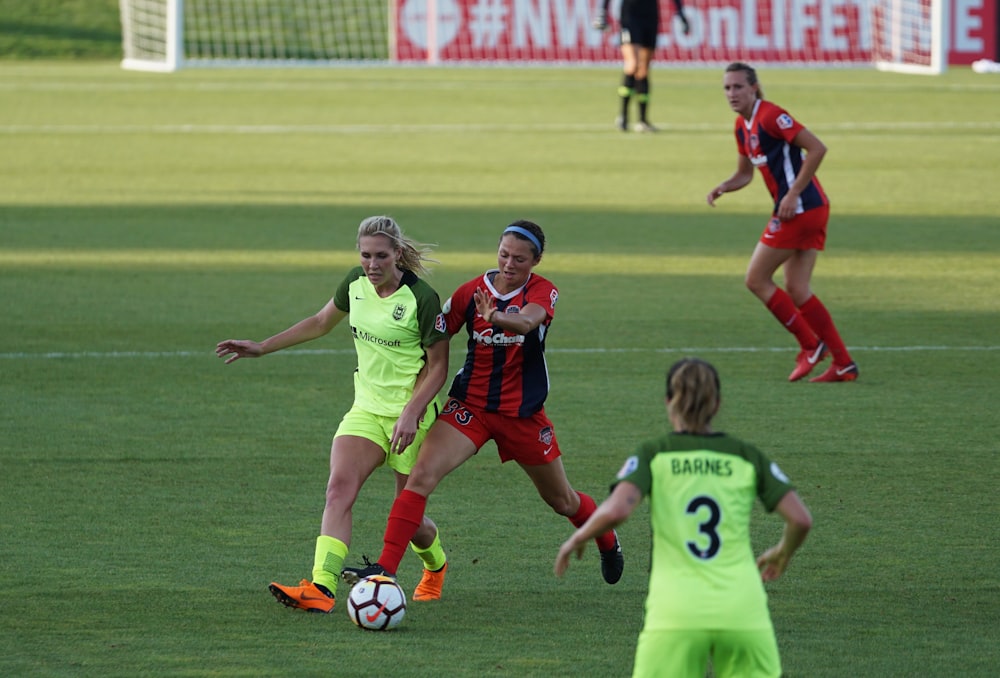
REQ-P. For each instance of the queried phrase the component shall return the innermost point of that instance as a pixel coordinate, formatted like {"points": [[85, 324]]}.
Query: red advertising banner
{"points": [[761, 31], [972, 31]]}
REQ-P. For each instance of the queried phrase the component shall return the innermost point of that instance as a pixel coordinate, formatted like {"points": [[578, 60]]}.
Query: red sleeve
{"points": [[777, 122], [455, 307], [543, 293]]}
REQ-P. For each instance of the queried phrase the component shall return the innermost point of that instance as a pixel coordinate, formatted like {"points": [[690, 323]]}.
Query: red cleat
{"points": [[836, 372], [807, 360]]}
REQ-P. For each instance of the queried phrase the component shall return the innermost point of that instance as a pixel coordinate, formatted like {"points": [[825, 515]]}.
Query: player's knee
{"points": [[799, 293], [564, 504], [421, 481], [341, 493]]}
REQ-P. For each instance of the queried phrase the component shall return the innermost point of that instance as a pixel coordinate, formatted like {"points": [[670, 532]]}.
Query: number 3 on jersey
{"points": [[709, 543]]}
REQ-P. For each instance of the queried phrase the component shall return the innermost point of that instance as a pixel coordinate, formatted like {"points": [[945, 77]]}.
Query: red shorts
{"points": [[527, 440], [806, 231]]}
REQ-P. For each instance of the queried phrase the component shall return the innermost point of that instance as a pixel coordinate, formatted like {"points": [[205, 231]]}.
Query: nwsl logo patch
{"points": [[630, 466], [785, 121], [439, 323]]}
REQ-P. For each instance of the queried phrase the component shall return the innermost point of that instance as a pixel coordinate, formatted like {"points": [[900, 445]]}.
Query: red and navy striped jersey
{"points": [[766, 139], [503, 373]]}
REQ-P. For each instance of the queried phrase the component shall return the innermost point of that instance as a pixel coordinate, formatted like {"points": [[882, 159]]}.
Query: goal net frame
{"points": [[166, 35], [909, 36]]}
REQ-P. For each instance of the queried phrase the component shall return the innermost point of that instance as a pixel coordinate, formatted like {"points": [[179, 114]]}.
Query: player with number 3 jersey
{"points": [[706, 597]]}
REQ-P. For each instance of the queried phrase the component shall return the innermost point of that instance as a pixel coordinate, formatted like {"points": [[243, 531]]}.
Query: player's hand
{"points": [[484, 302], [787, 207], [714, 195], [404, 431], [601, 21], [568, 548], [772, 563], [234, 349]]}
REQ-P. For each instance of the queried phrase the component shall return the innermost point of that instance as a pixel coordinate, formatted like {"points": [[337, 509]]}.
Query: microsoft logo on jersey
{"points": [[372, 339]]}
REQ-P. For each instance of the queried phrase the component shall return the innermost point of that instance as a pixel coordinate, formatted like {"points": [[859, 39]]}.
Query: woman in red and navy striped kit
{"points": [[498, 395], [770, 139]]}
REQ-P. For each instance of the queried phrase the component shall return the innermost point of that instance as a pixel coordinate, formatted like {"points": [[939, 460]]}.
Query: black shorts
{"points": [[640, 23]]}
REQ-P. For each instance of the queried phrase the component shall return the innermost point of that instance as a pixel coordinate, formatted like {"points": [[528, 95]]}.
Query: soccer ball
{"points": [[376, 603]]}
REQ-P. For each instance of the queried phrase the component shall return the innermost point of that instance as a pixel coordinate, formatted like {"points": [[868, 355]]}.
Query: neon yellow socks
{"points": [[433, 556], [328, 562]]}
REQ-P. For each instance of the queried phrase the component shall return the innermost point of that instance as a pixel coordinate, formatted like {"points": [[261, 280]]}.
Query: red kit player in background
{"points": [[772, 140], [497, 395]]}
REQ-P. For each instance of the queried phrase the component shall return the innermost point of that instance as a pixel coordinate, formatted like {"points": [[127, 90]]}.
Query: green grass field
{"points": [[148, 494]]}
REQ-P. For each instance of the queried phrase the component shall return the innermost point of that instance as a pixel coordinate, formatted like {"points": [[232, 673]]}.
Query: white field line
{"points": [[115, 355], [888, 127]]}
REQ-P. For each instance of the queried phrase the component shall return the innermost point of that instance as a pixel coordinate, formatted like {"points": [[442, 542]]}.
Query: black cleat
{"points": [[352, 575], [613, 563]]}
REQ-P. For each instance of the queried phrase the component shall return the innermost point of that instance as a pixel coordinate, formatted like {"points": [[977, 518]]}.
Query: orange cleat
{"points": [[430, 584], [306, 596], [836, 372], [807, 360]]}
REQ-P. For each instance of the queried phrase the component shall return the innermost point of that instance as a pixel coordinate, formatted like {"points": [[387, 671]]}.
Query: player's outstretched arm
{"points": [[304, 330], [741, 177]]}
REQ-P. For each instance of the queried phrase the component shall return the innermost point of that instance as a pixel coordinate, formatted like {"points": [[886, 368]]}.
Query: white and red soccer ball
{"points": [[376, 603]]}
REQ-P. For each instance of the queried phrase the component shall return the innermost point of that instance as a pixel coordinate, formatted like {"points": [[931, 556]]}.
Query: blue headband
{"points": [[527, 234]]}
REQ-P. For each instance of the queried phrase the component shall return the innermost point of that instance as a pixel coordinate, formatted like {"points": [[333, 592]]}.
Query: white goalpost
{"points": [[166, 35], [152, 35], [909, 36]]}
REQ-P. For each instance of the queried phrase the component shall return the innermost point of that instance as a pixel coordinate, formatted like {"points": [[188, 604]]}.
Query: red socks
{"points": [[404, 519], [606, 541], [783, 308], [819, 319]]}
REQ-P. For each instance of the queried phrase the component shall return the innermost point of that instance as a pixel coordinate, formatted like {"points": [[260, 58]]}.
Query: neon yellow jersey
{"points": [[701, 490], [390, 335]]}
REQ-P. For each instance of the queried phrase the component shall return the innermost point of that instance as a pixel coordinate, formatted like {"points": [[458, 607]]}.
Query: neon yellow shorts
{"points": [[683, 654], [378, 429]]}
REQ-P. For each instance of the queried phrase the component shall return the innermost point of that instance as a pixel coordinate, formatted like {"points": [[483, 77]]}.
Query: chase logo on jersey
{"points": [[629, 467], [439, 323], [488, 338], [785, 121], [398, 312]]}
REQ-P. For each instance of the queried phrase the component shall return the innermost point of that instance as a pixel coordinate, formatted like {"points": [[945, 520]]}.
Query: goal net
{"points": [[170, 34], [909, 36], [164, 35]]}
